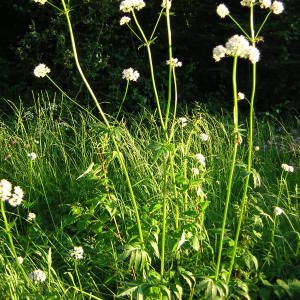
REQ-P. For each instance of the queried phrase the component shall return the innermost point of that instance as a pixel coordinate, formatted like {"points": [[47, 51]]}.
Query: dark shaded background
{"points": [[31, 34]]}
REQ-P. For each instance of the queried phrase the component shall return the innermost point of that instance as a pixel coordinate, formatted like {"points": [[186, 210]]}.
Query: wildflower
{"points": [[5, 190], [247, 2], [124, 20], [77, 253], [200, 192], [31, 217], [240, 96], [265, 3], [32, 155], [278, 211], [201, 159], [129, 5], [37, 276], [277, 7], [41, 2], [195, 171], [256, 148], [254, 54], [41, 70], [173, 62], [237, 45], [204, 137], [219, 52], [166, 4], [130, 74], [287, 168], [222, 10], [20, 260], [183, 121], [16, 197]]}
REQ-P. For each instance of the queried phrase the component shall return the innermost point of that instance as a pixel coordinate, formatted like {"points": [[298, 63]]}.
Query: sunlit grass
{"points": [[95, 212]]}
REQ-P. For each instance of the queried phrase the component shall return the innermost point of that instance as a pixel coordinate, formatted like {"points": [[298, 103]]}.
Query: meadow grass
{"points": [[95, 212], [162, 205]]}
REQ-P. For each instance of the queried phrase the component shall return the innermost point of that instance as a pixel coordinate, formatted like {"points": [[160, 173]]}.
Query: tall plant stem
{"points": [[147, 44], [233, 161], [250, 154], [11, 244], [106, 122], [170, 66], [164, 218]]}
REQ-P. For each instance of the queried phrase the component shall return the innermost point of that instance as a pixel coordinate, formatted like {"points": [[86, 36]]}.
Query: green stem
{"points": [[239, 26], [171, 67], [233, 161], [124, 97], [164, 218], [66, 13], [147, 44], [250, 154], [263, 23], [11, 244], [119, 154]]}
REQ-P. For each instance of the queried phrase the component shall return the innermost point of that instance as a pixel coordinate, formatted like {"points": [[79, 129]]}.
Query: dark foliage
{"points": [[32, 34]]}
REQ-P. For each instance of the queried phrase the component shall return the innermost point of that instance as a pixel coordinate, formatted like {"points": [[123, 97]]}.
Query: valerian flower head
{"points": [[5, 190], [173, 62], [277, 7], [41, 2], [253, 54], [204, 137], [31, 217], [129, 5], [248, 3], [182, 121], [130, 74], [32, 155], [20, 260], [195, 171], [37, 276], [41, 70], [219, 52], [201, 159], [287, 168], [16, 197], [240, 96], [278, 211], [77, 253], [222, 10], [265, 3], [166, 4], [237, 45], [124, 20]]}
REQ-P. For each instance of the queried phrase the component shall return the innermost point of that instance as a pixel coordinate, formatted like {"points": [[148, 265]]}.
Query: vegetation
{"points": [[166, 203]]}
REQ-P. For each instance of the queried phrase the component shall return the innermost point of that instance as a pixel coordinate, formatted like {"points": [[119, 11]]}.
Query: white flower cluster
{"points": [[37, 276], [129, 5], [130, 74], [201, 159], [41, 70], [276, 6], [222, 10], [173, 62], [15, 197], [278, 211], [41, 2], [77, 253], [31, 217], [237, 45], [166, 4], [124, 20], [183, 121], [287, 168]]}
